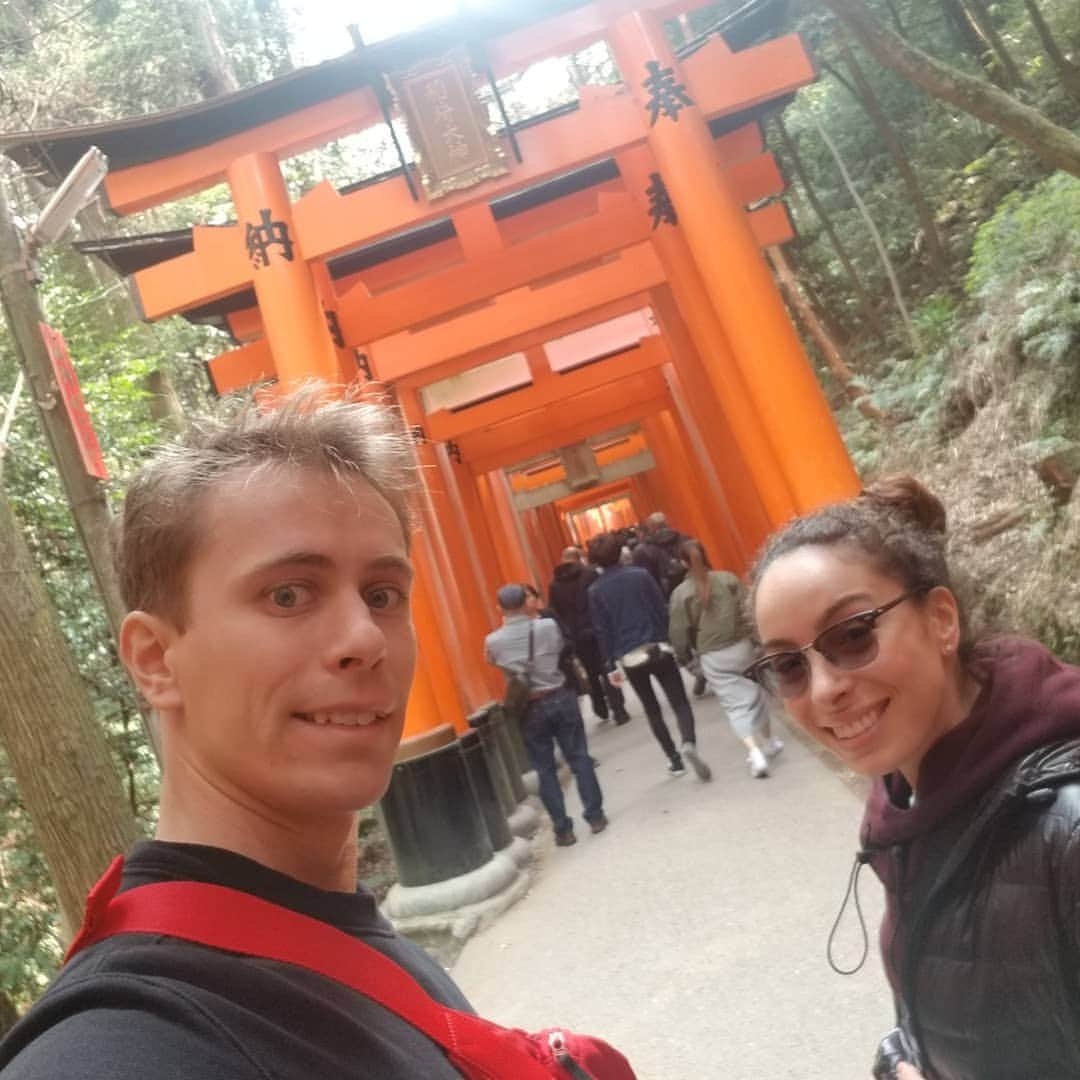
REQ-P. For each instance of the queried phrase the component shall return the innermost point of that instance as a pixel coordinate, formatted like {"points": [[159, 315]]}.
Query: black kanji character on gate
{"points": [[363, 364], [665, 94], [260, 238], [661, 208], [334, 326]]}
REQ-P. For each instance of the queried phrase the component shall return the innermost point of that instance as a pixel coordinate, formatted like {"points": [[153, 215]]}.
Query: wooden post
{"points": [[463, 619], [85, 494], [723, 388], [294, 324], [429, 622], [675, 473], [782, 387]]}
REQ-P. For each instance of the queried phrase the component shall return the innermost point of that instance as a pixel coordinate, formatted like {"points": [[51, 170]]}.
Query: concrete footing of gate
{"points": [[460, 906]]}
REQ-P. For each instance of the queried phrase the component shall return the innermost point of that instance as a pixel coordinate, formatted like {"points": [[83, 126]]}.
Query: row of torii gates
{"points": [[606, 296]]}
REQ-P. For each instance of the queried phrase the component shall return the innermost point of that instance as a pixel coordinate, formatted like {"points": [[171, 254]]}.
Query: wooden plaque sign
{"points": [[67, 385], [448, 126]]}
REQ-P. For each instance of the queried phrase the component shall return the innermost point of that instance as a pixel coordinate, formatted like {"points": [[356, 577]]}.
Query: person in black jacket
{"points": [[660, 552], [631, 620], [568, 599], [265, 563], [973, 821]]}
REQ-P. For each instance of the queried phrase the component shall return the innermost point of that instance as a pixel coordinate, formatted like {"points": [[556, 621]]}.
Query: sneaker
{"points": [[700, 686], [773, 747], [689, 753], [599, 825], [759, 765], [565, 839], [676, 767], [622, 718]]}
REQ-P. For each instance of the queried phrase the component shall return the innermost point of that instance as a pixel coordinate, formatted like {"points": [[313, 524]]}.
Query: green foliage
{"points": [[29, 941], [935, 321], [1049, 327], [1028, 230]]}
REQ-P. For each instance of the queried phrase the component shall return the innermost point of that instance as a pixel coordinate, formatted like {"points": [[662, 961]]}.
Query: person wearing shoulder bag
{"points": [[265, 563], [706, 619], [529, 652]]}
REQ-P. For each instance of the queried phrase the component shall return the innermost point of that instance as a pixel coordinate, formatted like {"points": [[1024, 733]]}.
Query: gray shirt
{"points": [[508, 648]]}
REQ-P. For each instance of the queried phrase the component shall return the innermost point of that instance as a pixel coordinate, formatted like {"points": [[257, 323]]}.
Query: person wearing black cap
{"points": [[552, 715]]}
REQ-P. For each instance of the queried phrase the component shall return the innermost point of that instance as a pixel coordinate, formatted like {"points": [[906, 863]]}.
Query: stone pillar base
{"points": [[520, 850], [461, 905], [524, 819]]}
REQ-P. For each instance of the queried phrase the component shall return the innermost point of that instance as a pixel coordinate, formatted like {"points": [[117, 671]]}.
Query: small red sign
{"points": [[67, 382]]}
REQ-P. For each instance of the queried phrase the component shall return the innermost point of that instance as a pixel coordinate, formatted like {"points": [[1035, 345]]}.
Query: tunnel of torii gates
{"points": [[585, 333]]}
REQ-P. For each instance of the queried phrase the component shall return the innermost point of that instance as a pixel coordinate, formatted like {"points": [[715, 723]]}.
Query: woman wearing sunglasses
{"points": [[973, 822]]}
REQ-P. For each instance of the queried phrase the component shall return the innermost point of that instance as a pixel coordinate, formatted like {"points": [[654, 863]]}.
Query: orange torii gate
{"points": [[647, 203]]}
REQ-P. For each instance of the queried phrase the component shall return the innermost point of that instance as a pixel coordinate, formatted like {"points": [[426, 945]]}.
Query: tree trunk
{"points": [[970, 38], [8, 1015], [165, 406], [16, 27], [875, 235], [275, 35], [1068, 72], [869, 101], [856, 392], [1053, 144], [85, 494], [213, 74], [804, 275], [985, 21], [865, 302], [898, 22], [56, 749]]}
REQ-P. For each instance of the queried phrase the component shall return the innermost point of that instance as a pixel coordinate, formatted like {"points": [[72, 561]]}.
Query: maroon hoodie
{"points": [[1029, 699]]}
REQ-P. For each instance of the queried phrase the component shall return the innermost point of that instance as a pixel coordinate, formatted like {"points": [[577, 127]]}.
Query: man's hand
{"points": [[908, 1072], [616, 677]]}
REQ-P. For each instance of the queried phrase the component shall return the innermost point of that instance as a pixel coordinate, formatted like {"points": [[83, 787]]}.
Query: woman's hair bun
{"points": [[905, 496]]}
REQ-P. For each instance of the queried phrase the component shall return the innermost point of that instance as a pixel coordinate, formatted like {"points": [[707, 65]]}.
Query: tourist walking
{"points": [[568, 598], [530, 647], [659, 552], [973, 821], [706, 619], [631, 620]]}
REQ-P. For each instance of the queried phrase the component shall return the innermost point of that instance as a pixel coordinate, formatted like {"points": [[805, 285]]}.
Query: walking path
{"points": [[691, 934]]}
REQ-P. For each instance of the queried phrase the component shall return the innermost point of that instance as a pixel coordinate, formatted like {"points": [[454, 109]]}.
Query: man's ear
{"points": [[145, 642], [944, 618]]}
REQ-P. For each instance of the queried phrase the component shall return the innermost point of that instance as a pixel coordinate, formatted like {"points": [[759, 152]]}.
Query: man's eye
{"points": [[289, 596], [385, 598]]}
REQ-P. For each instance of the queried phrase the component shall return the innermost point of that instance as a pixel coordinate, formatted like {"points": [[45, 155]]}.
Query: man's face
{"points": [[291, 676]]}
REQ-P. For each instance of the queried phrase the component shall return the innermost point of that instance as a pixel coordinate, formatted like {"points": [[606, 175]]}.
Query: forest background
{"points": [[935, 277]]}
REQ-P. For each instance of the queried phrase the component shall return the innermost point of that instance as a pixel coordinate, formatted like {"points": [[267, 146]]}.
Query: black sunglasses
{"points": [[849, 644]]}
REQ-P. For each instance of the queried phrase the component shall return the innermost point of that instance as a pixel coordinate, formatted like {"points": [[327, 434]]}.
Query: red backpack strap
{"points": [[238, 922]]}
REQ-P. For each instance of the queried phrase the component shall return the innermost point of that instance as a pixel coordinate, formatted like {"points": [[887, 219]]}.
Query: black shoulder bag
{"points": [[519, 686]]}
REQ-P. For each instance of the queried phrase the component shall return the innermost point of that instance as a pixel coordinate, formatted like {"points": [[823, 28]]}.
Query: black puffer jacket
{"points": [[982, 932], [989, 959], [567, 595]]}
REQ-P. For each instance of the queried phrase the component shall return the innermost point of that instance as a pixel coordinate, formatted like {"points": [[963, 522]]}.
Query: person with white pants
{"points": [[706, 619]]}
